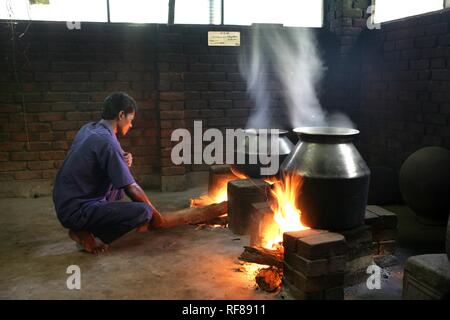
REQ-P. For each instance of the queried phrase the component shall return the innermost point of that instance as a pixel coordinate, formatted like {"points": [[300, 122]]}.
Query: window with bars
{"points": [[297, 13], [54, 10]]}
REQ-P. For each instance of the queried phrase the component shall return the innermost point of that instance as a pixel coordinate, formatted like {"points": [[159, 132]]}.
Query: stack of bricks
{"points": [[261, 219], [358, 254], [361, 245], [241, 195], [383, 224], [219, 176], [314, 265]]}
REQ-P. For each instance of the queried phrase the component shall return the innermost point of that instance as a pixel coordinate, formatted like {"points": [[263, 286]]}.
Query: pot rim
{"points": [[255, 131], [326, 131]]}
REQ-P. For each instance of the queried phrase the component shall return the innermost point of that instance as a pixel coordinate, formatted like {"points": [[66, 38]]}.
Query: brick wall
{"points": [[392, 82], [405, 88], [64, 75], [60, 82], [347, 20]]}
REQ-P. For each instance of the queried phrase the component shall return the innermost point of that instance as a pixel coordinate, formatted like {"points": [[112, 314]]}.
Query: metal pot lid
{"points": [[256, 131], [326, 131]]}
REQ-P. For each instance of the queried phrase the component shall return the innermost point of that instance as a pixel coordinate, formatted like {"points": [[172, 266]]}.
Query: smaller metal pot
{"points": [[243, 149]]}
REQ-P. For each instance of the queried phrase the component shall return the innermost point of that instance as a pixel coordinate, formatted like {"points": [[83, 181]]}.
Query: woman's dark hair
{"points": [[116, 102]]}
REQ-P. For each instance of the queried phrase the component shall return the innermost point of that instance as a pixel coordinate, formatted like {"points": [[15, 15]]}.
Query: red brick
{"points": [[37, 107], [318, 267], [39, 127], [290, 238], [49, 174], [61, 145], [12, 146], [6, 176], [40, 165], [75, 76], [171, 96], [313, 284], [147, 104], [63, 106], [12, 127], [11, 109], [103, 76], [218, 122], [151, 133], [58, 163], [128, 76], [13, 166], [27, 175], [172, 115], [321, 246], [24, 156], [117, 86], [53, 116], [89, 106], [4, 156], [51, 136], [47, 76], [70, 135], [237, 113], [55, 96], [40, 146], [172, 171], [96, 115], [52, 155], [65, 125]]}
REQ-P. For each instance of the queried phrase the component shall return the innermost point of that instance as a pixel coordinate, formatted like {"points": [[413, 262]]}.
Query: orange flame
{"points": [[217, 194], [286, 214], [238, 174]]}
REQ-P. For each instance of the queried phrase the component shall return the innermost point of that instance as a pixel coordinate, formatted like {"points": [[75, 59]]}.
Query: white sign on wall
{"points": [[224, 38]]}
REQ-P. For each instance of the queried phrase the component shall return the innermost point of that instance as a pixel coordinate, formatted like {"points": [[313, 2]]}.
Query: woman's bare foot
{"points": [[87, 240]]}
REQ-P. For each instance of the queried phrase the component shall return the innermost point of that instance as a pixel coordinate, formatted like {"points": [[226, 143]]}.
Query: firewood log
{"points": [[262, 256], [269, 279], [194, 214]]}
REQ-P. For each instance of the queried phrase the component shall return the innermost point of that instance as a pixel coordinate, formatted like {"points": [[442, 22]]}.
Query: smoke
{"points": [[294, 55], [253, 66]]}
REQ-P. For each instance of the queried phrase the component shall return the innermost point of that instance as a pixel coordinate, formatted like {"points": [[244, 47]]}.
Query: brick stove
{"points": [[318, 264]]}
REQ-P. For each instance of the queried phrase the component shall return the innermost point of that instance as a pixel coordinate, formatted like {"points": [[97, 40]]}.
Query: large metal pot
{"points": [[243, 149], [335, 178]]}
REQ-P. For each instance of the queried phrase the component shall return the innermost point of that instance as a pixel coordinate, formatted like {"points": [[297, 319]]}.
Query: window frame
{"points": [[171, 17]]}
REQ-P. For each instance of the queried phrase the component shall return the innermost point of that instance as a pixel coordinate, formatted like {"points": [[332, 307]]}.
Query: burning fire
{"points": [[286, 214], [218, 193]]}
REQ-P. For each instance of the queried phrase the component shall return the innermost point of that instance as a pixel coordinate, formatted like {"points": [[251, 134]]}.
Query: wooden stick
{"points": [[194, 214], [262, 256]]}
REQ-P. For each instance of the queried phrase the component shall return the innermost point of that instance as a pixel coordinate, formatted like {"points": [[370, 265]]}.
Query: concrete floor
{"points": [[413, 239], [181, 263]]}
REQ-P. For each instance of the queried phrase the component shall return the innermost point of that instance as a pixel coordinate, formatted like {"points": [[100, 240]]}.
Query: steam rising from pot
{"points": [[294, 56]]}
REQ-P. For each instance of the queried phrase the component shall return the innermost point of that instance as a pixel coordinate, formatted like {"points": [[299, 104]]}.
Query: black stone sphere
{"points": [[425, 184]]}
